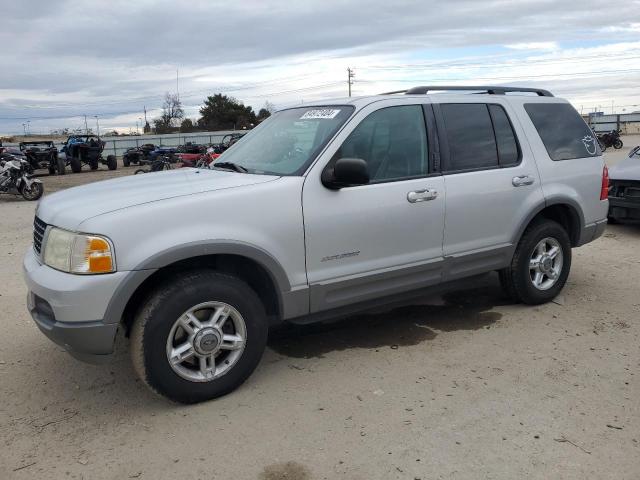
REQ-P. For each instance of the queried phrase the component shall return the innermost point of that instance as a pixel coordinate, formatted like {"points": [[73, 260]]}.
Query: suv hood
{"points": [[627, 169], [68, 208]]}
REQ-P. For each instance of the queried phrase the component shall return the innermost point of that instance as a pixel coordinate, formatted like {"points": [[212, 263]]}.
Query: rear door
{"points": [[492, 182]]}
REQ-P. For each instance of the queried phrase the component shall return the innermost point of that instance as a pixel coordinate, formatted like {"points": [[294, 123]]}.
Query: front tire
{"points": [[540, 264], [112, 163], [199, 336]]}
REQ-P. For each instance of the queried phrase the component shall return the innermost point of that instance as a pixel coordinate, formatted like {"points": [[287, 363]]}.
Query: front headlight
{"points": [[78, 253]]}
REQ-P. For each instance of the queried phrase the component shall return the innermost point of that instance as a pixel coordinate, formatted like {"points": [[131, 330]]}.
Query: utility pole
{"points": [[86, 128], [97, 125], [350, 75], [24, 129], [28, 127], [177, 90]]}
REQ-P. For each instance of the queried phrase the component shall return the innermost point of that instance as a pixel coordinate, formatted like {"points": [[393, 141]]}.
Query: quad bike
{"points": [[137, 155], [16, 180], [87, 150], [43, 154]]}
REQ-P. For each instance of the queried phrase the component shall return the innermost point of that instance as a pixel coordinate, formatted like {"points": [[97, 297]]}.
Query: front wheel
{"points": [[199, 336], [618, 144], [32, 192], [540, 264]]}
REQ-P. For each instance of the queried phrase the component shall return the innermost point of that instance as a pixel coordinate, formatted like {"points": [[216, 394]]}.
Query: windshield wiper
{"points": [[230, 166]]}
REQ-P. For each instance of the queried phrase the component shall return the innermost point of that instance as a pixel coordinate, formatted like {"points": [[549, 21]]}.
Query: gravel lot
{"points": [[465, 386]]}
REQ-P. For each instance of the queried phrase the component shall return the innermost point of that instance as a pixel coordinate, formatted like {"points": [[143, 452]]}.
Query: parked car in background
{"points": [[321, 211], [624, 189]]}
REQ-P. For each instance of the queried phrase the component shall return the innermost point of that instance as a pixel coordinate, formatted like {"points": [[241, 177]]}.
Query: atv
{"points": [[43, 154], [87, 150], [137, 155]]}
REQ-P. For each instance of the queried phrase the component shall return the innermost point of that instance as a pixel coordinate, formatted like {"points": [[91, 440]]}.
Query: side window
{"points": [[469, 132], [563, 132], [508, 153], [393, 142]]}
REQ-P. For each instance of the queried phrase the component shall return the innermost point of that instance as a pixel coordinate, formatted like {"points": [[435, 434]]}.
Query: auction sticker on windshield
{"points": [[320, 113]]}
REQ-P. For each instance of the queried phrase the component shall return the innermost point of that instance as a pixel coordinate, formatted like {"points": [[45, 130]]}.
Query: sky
{"points": [[61, 60]]}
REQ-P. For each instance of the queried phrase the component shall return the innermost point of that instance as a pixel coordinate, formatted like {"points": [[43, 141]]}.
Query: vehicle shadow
{"points": [[469, 309]]}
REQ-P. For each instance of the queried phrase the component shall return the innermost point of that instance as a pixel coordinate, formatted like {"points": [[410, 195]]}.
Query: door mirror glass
{"points": [[346, 172]]}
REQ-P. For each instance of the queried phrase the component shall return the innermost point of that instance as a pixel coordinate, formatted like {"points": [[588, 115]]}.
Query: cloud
{"points": [[534, 46], [114, 58]]}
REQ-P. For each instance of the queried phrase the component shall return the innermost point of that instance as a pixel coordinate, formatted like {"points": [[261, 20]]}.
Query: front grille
{"points": [[39, 228]]}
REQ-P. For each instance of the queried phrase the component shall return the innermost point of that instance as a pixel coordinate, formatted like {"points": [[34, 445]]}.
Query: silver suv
{"points": [[321, 211]]}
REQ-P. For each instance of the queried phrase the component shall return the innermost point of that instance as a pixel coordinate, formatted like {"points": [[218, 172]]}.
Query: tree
{"points": [[172, 113], [187, 126], [266, 111], [221, 112]]}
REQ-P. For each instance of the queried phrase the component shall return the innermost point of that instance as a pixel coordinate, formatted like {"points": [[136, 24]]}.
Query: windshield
{"points": [[288, 141]]}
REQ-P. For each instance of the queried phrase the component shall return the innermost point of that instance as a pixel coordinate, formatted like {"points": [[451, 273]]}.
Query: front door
{"points": [[374, 240]]}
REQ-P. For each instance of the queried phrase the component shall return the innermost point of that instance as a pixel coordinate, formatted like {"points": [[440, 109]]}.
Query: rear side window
{"points": [[562, 130], [469, 131]]}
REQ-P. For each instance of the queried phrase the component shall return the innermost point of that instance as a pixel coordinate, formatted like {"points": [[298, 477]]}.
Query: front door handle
{"points": [[422, 195], [522, 180]]}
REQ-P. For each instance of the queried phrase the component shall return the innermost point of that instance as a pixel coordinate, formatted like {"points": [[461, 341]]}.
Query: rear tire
{"points": [[61, 166], [618, 144], [193, 299], [112, 163], [76, 165], [34, 193], [125, 161], [524, 282]]}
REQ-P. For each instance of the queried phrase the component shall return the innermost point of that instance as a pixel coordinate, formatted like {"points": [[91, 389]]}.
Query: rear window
{"points": [[562, 130]]}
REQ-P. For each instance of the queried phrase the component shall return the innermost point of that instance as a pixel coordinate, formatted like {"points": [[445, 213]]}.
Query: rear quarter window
{"points": [[562, 131]]}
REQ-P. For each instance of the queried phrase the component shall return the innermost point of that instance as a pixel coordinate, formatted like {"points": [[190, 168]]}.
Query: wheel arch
{"points": [[566, 211], [251, 264]]}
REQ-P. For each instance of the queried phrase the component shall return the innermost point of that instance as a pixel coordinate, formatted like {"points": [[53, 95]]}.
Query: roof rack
{"points": [[477, 89]]}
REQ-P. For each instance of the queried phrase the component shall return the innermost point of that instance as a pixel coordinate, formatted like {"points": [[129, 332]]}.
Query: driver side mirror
{"points": [[346, 172]]}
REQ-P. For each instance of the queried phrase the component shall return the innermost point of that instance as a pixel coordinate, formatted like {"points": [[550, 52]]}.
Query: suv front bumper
{"points": [[70, 309]]}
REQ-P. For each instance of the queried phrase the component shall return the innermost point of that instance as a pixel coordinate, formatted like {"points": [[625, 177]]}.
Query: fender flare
{"points": [[555, 200], [148, 267]]}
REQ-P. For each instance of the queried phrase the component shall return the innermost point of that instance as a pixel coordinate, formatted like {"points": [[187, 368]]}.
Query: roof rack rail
{"points": [[472, 88]]}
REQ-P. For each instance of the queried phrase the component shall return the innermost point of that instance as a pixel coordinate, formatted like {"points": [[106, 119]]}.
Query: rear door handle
{"points": [[422, 195], [522, 180]]}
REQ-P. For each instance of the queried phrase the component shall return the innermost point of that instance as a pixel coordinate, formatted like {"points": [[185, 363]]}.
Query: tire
{"points": [[112, 163], [52, 170], [517, 279], [125, 161], [157, 321], [61, 167], [618, 144], [76, 165], [140, 170], [34, 193]]}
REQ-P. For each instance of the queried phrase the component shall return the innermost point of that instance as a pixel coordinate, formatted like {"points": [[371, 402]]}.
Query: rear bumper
{"points": [[624, 210], [592, 231]]}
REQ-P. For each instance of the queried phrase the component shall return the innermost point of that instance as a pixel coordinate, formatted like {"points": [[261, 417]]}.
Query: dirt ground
{"points": [[465, 386]]}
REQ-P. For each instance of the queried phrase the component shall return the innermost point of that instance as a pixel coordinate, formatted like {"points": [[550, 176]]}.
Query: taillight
{"points": [[604, 190]]}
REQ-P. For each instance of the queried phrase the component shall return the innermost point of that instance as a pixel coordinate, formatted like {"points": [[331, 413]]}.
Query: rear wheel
{"points": [[61, 167], [112, 163], [618, 144], [76, 165], [125, 160], [199, 336], [540, 264]]}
